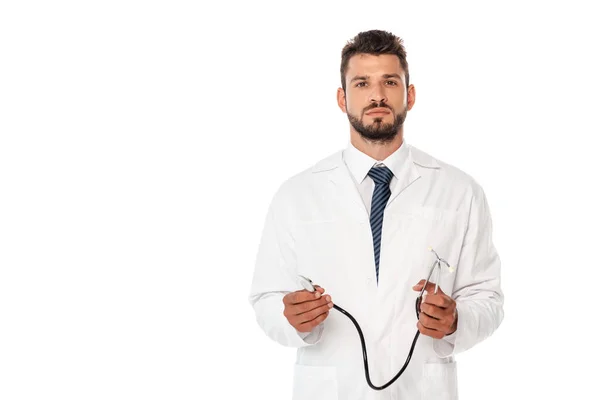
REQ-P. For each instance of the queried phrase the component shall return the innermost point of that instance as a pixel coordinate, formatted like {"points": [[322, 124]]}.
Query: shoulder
{"points": [[446, 173], [302, 182]]}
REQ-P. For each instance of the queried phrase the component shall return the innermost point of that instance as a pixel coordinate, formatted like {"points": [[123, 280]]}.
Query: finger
{"points": [[312, 314], [300, 296], [441, 320], [430, 287], [309, 325], [431, 323], [430, 332], [319, 289], [435, 311], [308, 306], [440, 300], [291, 311], [419, 284]]}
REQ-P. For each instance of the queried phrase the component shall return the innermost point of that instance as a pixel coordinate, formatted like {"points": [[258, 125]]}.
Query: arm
{"points": [[274, 277], [477, 292]]}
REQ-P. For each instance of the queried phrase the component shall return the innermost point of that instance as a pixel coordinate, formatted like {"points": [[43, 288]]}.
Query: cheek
{"points": [[398, 101], [354, 107], [355, 102]]}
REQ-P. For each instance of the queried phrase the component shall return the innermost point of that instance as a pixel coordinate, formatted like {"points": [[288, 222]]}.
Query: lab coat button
{"points": [[369, 281]]}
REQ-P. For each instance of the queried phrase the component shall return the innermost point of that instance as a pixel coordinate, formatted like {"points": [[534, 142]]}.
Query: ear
{"points": [[341, 99], [411, 96]]}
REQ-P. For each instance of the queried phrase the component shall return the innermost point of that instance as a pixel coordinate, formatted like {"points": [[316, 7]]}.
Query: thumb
{"points": [[419, 285]]}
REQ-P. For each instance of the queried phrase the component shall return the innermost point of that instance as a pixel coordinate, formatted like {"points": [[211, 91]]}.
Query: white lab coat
{"points": [[317, 226]]}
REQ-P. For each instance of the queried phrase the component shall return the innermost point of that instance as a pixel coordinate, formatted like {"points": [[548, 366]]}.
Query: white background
{"points": [[141, 142]]}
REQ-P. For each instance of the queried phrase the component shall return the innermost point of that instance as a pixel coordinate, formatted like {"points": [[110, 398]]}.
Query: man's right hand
{"points": [[304, 310]]}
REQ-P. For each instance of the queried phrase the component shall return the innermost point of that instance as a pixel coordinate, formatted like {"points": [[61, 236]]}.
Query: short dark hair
{"points": [[373, 42]]}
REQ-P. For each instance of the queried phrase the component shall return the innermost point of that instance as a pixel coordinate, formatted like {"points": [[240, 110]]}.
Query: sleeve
{"points": [[477, 291], [274, 277]]}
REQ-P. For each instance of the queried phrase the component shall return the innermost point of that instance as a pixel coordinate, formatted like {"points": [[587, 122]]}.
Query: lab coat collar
{"points": [[360, 163], [341, 184], [414, 155], [422, 159]]}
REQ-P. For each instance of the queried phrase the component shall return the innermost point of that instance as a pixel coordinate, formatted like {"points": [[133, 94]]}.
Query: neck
{"points": [[377, 150]]}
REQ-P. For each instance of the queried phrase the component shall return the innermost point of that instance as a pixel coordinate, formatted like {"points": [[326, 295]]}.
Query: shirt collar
{"points": [[360, 163]]}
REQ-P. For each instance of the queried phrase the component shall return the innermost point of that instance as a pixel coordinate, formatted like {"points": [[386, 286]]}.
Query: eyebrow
{"points": [[366, 77], [359, 78]]}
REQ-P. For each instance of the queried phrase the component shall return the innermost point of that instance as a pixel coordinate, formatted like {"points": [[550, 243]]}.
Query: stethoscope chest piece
{"points": [[306, 283]]}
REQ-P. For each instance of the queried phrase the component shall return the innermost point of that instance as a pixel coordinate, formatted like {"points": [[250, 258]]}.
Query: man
{"points": [[359, 224]]}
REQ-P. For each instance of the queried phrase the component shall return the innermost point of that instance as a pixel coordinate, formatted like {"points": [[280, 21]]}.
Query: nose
{"points": [[378, 95]]}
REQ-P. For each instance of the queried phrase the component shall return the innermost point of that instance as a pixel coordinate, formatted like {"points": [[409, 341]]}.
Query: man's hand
{"points": [[304, 310], [438, 316]]}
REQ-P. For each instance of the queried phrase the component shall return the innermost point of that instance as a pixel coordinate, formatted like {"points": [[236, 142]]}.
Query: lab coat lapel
{"points": [[405, 179], [415, 160], [342, 189]]}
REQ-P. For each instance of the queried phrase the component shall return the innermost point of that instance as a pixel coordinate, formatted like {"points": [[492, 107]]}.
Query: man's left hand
{"points": [[438, 316]]}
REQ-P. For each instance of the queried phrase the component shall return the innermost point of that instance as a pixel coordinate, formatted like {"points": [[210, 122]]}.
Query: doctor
{"points": [[359, 224]]}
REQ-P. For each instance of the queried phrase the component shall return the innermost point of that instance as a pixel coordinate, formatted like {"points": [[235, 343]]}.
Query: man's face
{"points": [[376, 98]]}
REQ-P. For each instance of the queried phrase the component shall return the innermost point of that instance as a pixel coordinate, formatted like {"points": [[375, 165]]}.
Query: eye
{"points": [[393, 83], [360, 83]]}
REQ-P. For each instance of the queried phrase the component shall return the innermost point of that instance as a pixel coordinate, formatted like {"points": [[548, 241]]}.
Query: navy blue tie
{"points": [[382, 177]]}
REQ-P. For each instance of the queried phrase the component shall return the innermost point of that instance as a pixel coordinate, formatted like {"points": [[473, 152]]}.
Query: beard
{"points": [[378, 131]]}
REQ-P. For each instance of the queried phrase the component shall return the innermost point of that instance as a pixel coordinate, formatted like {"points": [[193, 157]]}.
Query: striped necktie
{"points": [[382, 177]]}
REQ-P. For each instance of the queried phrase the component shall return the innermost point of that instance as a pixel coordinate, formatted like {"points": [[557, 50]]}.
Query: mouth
{"points": [[377, 112]]}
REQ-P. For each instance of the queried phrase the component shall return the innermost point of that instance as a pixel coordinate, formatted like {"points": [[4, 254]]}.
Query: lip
{"points": [[378, 111]]}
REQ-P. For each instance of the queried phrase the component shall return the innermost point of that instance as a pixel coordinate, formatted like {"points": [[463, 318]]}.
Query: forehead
{"points": [[373, 65]]}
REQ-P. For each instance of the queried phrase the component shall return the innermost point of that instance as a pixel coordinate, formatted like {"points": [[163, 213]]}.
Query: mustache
{"points": [[376, 105]]}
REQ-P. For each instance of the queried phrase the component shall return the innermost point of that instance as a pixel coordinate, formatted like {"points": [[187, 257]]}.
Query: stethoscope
{"points": [[308, 285]]}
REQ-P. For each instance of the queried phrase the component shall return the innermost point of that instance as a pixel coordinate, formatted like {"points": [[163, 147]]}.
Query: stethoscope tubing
{"points": [[414, 342], [364, 351]]}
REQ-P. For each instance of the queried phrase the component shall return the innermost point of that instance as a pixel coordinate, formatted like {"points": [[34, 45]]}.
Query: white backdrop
{"points": [[141, 142]]}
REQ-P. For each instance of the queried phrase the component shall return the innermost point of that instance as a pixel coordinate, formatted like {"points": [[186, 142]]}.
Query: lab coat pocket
{"points": [[441, 230], [439, 381], [315, 383]]}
